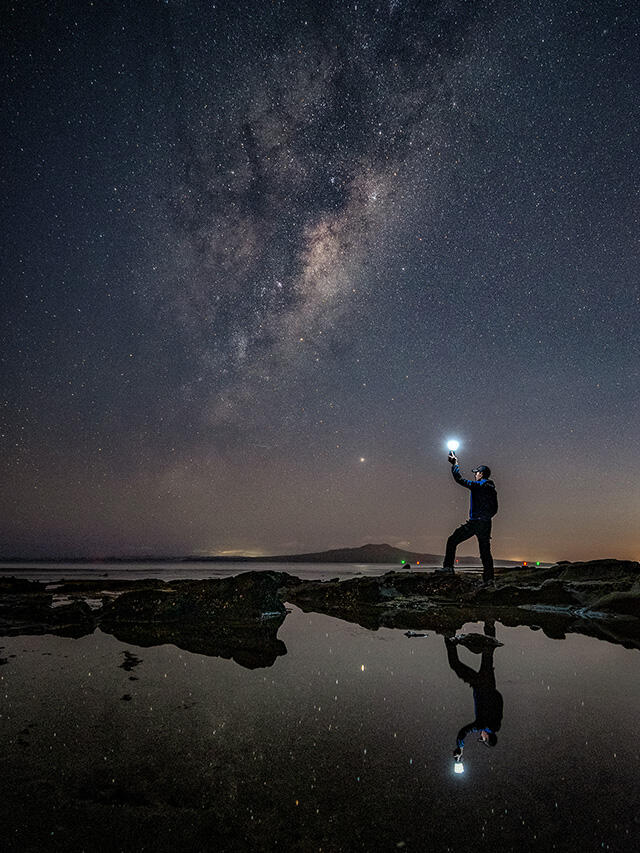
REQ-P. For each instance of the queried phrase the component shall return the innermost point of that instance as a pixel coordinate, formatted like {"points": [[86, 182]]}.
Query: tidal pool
{"points": [[345, 743]]}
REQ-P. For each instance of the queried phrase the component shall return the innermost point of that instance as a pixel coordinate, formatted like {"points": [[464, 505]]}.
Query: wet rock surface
{"points": [[27, 608], [600, 598], [238, 617], [248, 596]]}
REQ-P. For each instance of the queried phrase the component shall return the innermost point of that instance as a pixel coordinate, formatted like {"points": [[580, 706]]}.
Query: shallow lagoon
{"points": [[344, 743]]}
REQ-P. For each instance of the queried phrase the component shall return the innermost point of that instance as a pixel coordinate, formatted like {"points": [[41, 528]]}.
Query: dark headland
{"points": [[370, 553]]}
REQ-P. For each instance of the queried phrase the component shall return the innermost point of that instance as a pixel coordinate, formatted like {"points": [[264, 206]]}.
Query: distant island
{"points": [[370, 553]]}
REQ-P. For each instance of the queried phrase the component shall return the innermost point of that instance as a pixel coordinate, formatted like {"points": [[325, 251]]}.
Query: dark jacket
{"points": [[488, 704], [484, 500], [488, 707]]}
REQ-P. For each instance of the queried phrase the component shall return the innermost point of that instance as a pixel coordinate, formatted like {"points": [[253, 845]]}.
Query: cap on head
{"points": [[482, 469]]}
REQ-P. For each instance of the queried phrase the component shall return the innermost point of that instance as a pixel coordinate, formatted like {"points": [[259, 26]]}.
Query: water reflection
{"points": [[487, 700], [344, 744], [252, 645]]}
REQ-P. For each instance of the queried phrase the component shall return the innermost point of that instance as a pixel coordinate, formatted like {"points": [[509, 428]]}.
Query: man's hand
{"points": [[453, 459], [457, 753]]}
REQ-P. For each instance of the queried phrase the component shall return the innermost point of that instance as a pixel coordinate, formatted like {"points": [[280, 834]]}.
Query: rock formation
{"points": [[238, 617]]}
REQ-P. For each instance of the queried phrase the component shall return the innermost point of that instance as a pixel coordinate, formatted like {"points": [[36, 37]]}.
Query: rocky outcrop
{"points": [[238, 617], [591, 570], [27, 608], [240, 599], [235, 618], [599, 598]]}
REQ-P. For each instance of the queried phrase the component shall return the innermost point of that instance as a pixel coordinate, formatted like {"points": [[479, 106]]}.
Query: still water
{"points": [[193, 570], [345, 743]]}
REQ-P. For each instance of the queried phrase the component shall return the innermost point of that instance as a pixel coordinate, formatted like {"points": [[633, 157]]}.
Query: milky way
{"points": [[299, 175], [250, 245]]}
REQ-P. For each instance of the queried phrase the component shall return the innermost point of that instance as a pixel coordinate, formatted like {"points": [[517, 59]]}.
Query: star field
{"points": [[262, 260]]}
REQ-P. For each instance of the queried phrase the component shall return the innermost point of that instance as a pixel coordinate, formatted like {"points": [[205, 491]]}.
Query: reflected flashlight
{"points": [[458, 767], [453, 445]]}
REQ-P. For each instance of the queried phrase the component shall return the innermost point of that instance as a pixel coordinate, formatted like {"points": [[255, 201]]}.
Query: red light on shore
{"points": [[524, 562], [417, 562]]}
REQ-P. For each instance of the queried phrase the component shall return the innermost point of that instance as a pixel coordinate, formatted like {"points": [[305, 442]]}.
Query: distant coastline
{"points": [[370, 553]]}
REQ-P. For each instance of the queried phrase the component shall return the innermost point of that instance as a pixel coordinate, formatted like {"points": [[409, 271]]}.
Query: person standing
{"points": [[483, 506]]}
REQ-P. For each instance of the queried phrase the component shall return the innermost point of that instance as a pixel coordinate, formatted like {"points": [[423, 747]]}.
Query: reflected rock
{"points": [[476, 643], [26, 608], [235, 618], [599, 598], [252, 645]]}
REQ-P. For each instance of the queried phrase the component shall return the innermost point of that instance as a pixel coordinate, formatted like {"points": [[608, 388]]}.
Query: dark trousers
{"points": [[481, 529]]}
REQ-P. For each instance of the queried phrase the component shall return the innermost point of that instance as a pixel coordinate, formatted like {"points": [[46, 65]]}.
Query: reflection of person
{"points": [[483, 506], [486, 699]]}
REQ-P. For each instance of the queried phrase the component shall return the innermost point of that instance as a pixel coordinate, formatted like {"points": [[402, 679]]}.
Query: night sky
{"points": [[262, 259]]}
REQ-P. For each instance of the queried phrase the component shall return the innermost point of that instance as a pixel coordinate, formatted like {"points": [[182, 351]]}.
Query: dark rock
{"points": [[551, 591], [243, 597], [130, 661], [533, 575], [95, 586], [477, 643], [32, 613], [601, 570], [622, 603], [15, 586], [559, 597], [355, 593], [236, 617], [252, 645]]}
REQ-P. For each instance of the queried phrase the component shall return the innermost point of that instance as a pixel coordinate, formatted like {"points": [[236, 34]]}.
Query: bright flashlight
{"points": [[453, 445], [458, 767]]}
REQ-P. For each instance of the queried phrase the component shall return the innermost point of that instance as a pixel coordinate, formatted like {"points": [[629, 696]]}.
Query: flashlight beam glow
{"points": [[453, 445]]}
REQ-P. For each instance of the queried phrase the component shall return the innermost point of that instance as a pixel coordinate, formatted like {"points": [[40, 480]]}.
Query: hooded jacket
{"points": [[483, 504], [487, 700]]}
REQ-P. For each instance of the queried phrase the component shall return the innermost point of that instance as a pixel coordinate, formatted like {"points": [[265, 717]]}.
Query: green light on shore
{"points": [[538, 563], [403, 562]]}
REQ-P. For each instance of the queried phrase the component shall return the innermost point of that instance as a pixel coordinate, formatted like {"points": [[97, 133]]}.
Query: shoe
{"points": [[445, 570]]}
